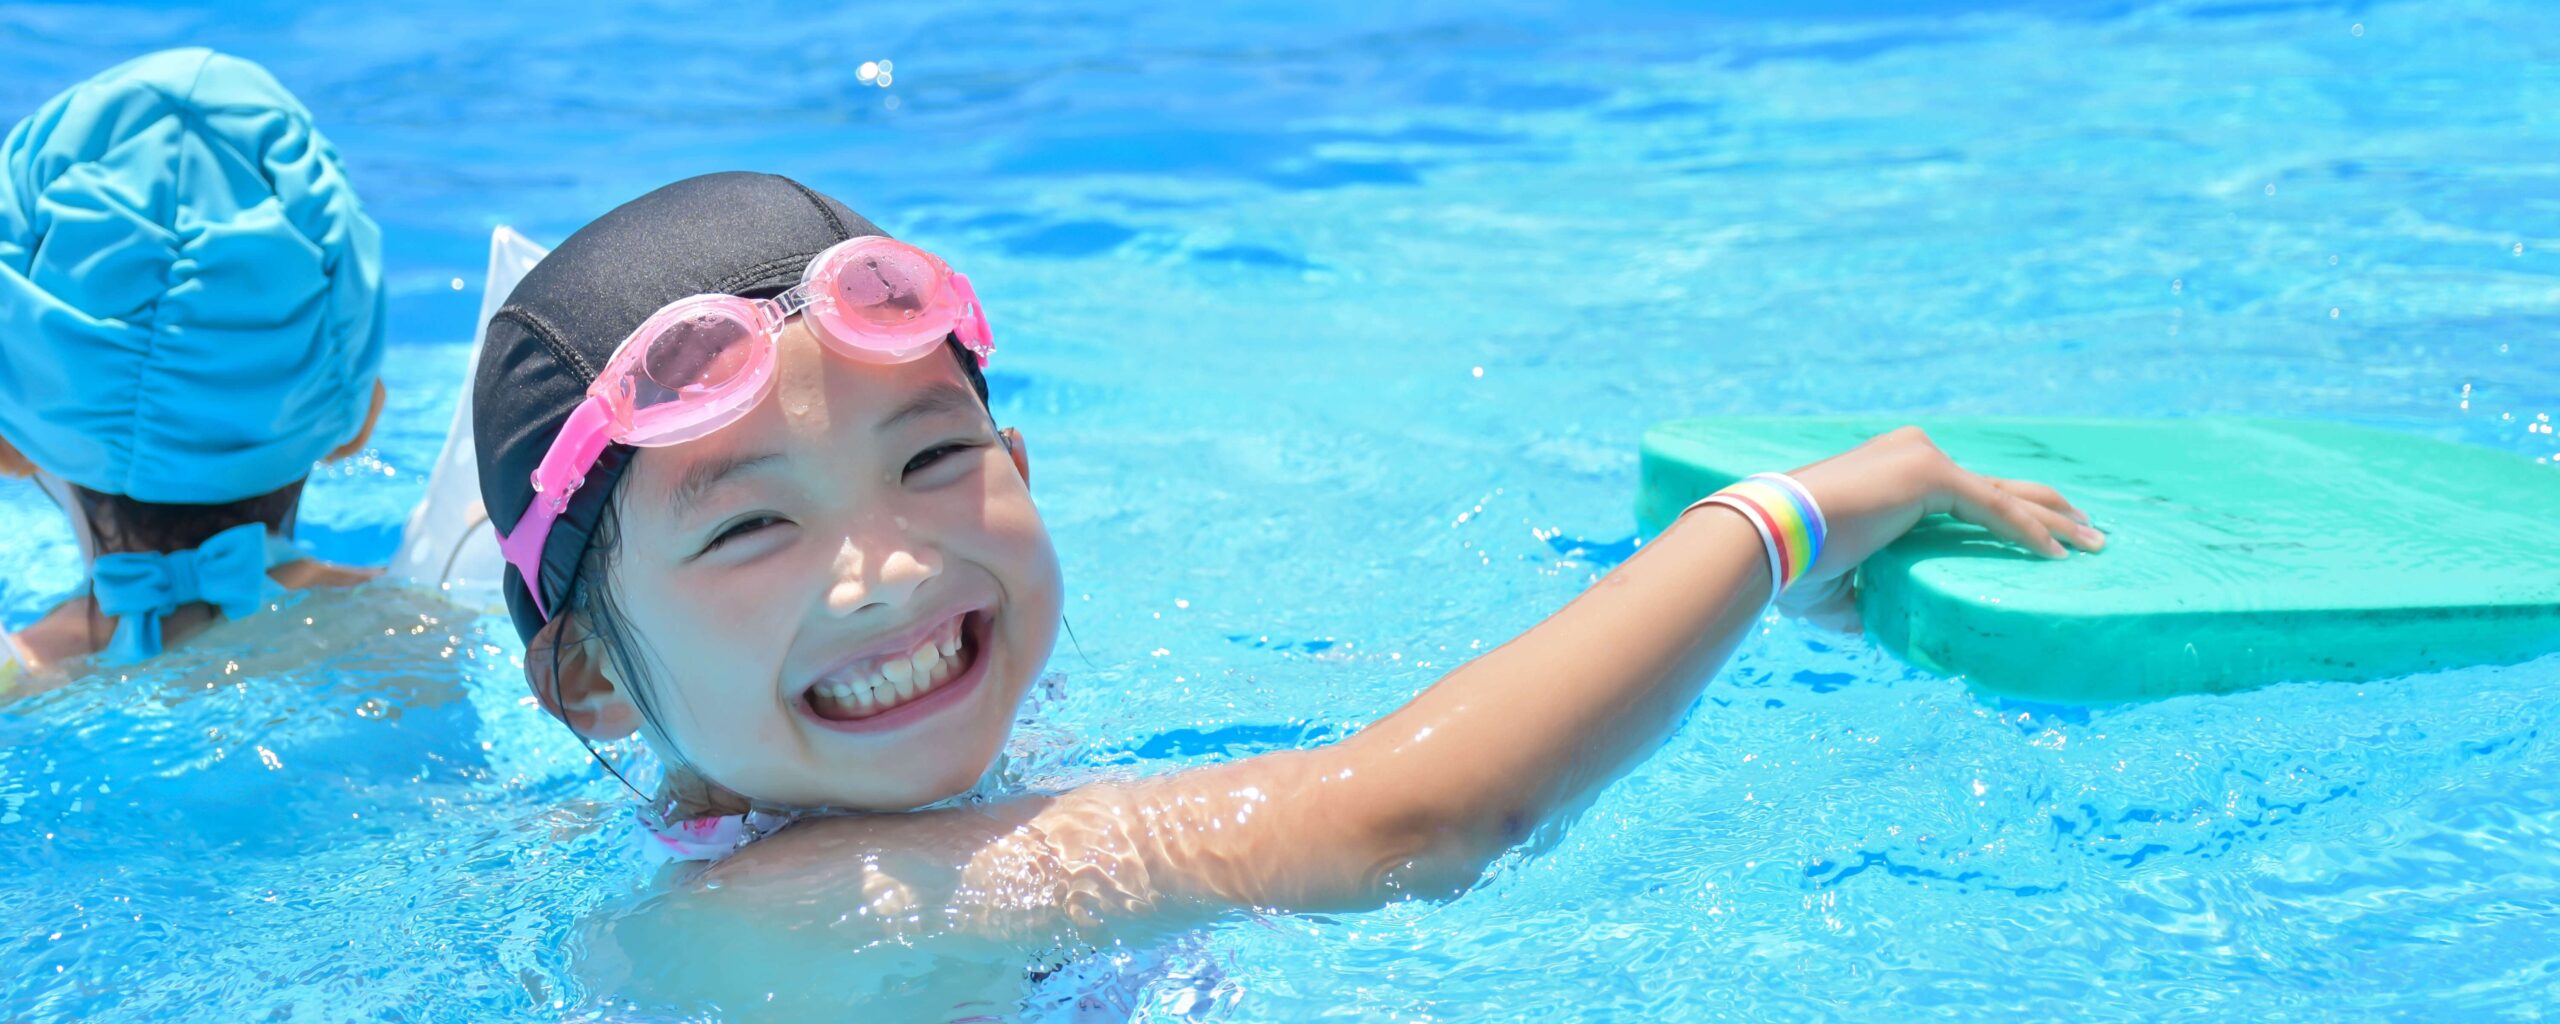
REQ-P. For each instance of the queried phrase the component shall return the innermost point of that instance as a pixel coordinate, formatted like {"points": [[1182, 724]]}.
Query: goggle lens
{"points": [[886, 288], [697, 354], [690, 370]]}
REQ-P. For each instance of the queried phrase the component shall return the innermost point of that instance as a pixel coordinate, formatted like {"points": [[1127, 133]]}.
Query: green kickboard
{"points": [[2240, 552]]}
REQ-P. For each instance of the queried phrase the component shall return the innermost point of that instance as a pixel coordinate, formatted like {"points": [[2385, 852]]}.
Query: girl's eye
{"points": [[929, 457], [739, 529]]}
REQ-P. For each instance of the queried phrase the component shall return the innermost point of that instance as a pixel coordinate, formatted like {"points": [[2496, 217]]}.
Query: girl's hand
{"points": [[1874, 493]]}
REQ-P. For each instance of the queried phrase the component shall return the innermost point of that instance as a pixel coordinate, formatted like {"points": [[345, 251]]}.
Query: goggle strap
{"points": [[563, 471], [972, 320]]}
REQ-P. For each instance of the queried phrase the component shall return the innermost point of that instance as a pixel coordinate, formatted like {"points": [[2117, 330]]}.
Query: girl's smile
{"points": [[902, 680]]}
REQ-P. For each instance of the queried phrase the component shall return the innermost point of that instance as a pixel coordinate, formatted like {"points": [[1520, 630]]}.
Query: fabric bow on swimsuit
{"points": [[140, 588]]}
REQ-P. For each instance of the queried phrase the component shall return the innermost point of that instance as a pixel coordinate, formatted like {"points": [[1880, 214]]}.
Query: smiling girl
{"points": [[738, 446]]}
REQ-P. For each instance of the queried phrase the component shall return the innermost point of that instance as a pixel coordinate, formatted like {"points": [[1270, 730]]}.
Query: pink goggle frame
{"points": [[701, 362]]}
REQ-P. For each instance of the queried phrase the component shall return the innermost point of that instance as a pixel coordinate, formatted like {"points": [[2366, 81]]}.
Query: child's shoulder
{"points": [[312, 574], [62, 635]]}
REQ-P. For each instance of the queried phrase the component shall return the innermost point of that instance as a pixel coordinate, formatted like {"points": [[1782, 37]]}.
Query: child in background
{"points": [[191, 316], [737, 446]]}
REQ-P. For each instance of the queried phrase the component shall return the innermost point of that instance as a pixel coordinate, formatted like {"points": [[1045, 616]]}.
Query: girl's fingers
{"points": [[2061, 518], [2041, 495], [2070, 530], [2006, 515]]}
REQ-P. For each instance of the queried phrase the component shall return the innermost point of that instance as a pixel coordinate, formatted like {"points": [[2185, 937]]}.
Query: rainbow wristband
{"points": [[1790, 524]]}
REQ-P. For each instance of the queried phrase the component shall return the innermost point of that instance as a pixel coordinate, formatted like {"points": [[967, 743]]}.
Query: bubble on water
{"points": [[2356, 30], [2271, 188], [869, 70], [890, 103], [457, 284], [2519, 249], [884, 79], [2333, 312], [2333, 259], [2177, 284]]}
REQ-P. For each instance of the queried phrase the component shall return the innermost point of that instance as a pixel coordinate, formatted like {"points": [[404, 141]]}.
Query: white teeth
{"points": [[898, 680]]}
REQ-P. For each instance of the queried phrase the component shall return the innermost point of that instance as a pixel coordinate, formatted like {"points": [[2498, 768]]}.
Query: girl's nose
{"points": [[902, 567]]}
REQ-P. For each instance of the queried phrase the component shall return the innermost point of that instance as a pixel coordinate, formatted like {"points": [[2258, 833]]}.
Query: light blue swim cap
{"points": [[191, 303]]}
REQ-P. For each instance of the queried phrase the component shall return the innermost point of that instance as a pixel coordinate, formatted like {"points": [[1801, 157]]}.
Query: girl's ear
{"points": [[1021, 455], [566, 670], [372, 416]]}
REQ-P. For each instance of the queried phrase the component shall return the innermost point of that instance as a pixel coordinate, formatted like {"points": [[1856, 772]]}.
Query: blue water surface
{"points": [[1333, 327]]}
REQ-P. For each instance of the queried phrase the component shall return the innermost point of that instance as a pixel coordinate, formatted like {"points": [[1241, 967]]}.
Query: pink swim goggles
{"points": [[702, 362]]}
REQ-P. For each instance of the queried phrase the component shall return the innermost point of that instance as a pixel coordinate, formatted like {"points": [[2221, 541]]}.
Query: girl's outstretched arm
{"points": [[1419, 802], [1416, 804]]}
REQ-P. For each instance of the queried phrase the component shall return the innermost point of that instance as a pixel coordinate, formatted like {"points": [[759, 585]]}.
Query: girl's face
{"points": [[841, 598]]}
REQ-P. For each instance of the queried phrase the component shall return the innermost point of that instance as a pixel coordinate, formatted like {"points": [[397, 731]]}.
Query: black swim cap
{"points": [[731, 233]]}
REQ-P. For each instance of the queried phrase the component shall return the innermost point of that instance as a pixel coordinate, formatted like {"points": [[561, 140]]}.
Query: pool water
{"points": [[1333, 327]]}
